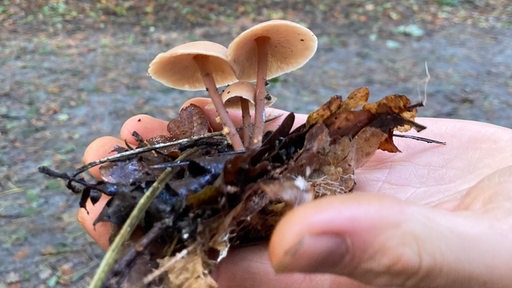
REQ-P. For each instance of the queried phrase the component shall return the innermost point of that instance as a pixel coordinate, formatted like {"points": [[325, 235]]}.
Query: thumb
{"points": [[383, 241]]}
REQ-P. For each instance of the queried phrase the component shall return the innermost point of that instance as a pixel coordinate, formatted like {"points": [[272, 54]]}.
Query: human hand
{"points": [[417, 218]]}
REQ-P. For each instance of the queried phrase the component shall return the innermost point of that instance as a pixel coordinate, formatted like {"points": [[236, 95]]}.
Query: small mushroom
{"points": [[241, 95], [267, 50], [196, 66]]}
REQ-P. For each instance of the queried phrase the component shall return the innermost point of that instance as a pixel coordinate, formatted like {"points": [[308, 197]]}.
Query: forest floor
{"points": [[75, 70]]}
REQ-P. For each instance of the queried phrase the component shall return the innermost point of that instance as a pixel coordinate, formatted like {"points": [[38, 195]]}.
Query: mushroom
{"points": [[267, 50], [196, 66], [241, 95]]}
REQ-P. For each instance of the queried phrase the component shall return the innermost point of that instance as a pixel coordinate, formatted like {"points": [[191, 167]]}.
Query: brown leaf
{"points": [[326, 163], [367, 142], [356, 98], [186, 269], [347, 123], [22, 253], [391, 104], [170, 151], [126, 172], [394, 105], [191, 122], [310, 159], [294, 191], [341, 139], [326, 110]]}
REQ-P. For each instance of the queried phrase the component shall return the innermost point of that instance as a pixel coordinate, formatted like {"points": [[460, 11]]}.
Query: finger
{"points": [[99, 232], [98, 149], [102, 147], [251, 265], [383, 241], [275, 116], [145, 125]]}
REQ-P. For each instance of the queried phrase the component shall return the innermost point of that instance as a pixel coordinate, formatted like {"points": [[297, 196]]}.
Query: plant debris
{"points": [[217, 198]]}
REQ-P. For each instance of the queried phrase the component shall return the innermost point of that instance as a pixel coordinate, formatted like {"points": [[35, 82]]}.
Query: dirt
{"points": [[71, 72]]}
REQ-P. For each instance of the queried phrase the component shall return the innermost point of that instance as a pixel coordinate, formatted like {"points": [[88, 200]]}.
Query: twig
{"points": [[418, 138], [156, 273], [11, 191], [70, 179], [11, 116], [131, 223], [427, 79], [130, 153], [142, 244], [126, 231], [125, 155], [423, 102]]}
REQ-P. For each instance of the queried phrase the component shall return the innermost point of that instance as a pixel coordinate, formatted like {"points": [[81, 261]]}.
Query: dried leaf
{"points": [[327, 109], [336, 104], [125, 173], [356, 98], [368, 141], [394, 105], [171, 151], [186, 270], [326, 163], [341, 139], [190, 122]]}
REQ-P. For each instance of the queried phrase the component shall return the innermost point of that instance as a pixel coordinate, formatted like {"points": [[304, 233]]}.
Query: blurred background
{"points": [[71, 71]]}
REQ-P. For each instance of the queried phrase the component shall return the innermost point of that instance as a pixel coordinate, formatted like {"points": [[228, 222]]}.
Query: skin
{"points": [[432, 216]]}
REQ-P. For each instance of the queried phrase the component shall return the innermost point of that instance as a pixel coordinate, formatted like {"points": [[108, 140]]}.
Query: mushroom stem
{"points": [[246, 121], [261, 78], [209, 83]]}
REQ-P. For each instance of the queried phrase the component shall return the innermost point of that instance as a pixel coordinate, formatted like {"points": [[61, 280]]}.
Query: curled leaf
{"points": [[191, 122]]}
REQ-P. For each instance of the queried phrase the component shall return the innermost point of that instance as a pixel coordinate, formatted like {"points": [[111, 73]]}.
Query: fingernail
{"points": [[314, 254]]}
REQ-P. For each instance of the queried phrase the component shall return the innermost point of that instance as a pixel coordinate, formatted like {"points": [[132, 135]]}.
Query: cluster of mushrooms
{"points": [[262, 52]]}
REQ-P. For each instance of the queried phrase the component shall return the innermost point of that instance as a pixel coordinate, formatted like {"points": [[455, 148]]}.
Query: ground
{"points": [[75, 70]]}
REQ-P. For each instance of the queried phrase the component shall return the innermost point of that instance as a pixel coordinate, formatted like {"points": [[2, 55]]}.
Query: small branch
{"points": [[129, 226], [417, 138], [128, 154], [64, 176], [423, 102], [11, 116], [131, 223], [163, 268], [427, 79], [142, 244]]}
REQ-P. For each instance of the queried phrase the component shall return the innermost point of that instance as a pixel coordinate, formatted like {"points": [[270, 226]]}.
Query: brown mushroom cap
{"points": [[176, 67], [232, 95], [239, 90], [290, 46]]}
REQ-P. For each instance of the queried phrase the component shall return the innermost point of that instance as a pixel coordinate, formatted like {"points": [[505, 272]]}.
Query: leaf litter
{"points": [[214, 198]]}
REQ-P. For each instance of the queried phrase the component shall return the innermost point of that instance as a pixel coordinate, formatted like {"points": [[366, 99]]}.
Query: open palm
{"points": [[432, 216]]}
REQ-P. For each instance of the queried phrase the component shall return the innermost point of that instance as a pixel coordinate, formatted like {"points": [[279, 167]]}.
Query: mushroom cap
{"points": [[232, 95], [291, 45], [176, 67], [241, 89]]}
